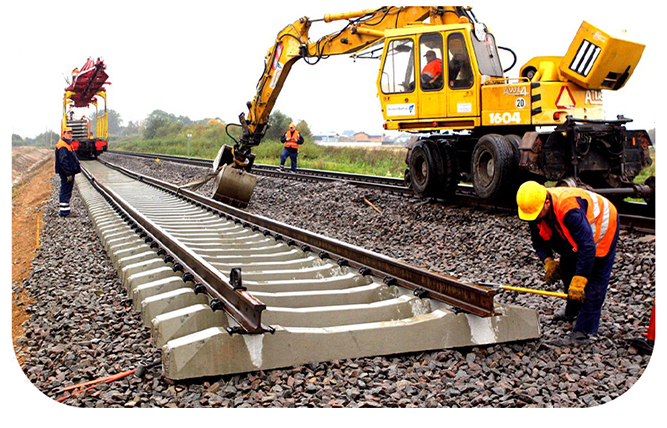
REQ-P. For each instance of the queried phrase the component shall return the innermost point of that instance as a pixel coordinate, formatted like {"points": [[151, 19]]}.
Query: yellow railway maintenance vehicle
{"points": [[474, 123], [86, 88]]}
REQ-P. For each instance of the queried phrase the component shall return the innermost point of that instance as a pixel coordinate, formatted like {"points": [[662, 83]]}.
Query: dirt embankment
{"points": [[32, 169]]}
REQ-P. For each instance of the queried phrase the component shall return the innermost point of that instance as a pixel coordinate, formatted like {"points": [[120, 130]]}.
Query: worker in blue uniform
{"points": [[67, 165], [582, 227]]}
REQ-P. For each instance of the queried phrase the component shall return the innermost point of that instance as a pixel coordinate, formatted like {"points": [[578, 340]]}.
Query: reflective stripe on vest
{"points": [[600, 214], [292, 144]]}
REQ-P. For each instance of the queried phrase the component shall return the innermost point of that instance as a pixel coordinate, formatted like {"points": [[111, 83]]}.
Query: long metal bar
{"points": [[391, 184], [468, 297], [241, 305]]}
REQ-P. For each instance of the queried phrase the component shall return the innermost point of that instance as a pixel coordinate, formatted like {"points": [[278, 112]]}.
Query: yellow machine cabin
{"points": [[472, 90]]}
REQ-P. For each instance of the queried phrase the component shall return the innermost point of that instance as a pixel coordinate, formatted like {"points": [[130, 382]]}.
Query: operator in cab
{"points": [[67, 165], [292, 140], [431, 76], [582, 227]]}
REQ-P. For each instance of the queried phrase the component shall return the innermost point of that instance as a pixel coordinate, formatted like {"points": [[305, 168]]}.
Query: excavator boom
{"points": [[364, 28]]}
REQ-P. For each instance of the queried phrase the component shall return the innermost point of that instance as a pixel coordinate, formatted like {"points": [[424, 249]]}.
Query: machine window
{"points": [[486, 52], [398, 71], [459, 70], [430, 60]]}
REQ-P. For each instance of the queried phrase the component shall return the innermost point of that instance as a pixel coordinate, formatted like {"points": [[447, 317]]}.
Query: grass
{"points": [[382, 161], [647, 172]]}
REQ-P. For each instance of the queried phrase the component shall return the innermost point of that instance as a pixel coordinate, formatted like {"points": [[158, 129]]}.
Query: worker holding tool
{"points": [[67, 165], [292, 140], [582, 227]]}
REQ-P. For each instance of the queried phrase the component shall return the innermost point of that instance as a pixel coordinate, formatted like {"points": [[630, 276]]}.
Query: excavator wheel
{"points": [[425, 165], [493, 167], [451, 176]]}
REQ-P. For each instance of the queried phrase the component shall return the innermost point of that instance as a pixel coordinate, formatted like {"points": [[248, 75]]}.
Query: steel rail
{"points": [[468, 297], [241, 305], [388, 184], [633, 216]]}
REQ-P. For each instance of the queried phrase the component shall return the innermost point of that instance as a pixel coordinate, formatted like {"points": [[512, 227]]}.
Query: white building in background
{"points": [[361, 139]]}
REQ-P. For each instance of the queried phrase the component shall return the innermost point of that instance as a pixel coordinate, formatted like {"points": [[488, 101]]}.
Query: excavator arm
{"points": [[364, 28]]}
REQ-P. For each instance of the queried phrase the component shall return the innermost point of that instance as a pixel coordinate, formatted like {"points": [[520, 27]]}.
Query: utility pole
{"points": [[189, 135]]}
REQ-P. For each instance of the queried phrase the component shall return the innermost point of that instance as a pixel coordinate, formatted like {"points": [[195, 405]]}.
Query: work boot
{"points": [[282, 168], [579, 338], [564, 315]]}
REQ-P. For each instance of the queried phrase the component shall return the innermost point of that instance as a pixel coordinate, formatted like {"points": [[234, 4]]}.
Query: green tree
{"points": [[278, 124], [115, 122], [304, 129], [161, 119], [132, 128], [17, 140], [156, 120]]}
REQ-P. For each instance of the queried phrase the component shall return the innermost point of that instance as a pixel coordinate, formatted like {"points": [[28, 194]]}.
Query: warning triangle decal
{"points": [[565, 99]]}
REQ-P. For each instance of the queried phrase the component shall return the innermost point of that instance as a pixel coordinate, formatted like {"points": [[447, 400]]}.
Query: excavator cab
{"points": [[431, 76]]}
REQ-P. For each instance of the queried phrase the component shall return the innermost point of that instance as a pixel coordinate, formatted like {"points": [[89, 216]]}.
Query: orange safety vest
{"points": [[292, 144], [63, 143], [433, 68], [601, 215]]}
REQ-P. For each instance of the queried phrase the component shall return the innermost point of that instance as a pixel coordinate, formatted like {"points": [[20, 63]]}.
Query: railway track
{"points": [[225, 291], [638, 217]]}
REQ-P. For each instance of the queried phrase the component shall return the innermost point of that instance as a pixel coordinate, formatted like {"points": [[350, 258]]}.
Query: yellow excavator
{"points": [[441, 77]]}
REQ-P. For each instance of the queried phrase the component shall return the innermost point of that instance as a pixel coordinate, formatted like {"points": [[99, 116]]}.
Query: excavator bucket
{"points": [[234, 186]]}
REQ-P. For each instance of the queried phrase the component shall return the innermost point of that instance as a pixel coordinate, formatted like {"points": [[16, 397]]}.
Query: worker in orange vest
{"points": [[582, 227], [67, 165], [431, 76], [292, 140]]}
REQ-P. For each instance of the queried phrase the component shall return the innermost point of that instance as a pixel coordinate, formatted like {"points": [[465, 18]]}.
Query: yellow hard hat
{"points": [[291, 125], [67, 129], [530, 198]]}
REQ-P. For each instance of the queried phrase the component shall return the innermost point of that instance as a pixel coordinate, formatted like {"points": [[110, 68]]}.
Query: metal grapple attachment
{"points": [[233, 185]]}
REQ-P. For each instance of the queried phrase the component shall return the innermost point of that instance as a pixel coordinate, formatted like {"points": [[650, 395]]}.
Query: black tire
{"points": [[515, 141], [406, 179], [425, 169], [493, 167], [650, 200], [451, 176]]}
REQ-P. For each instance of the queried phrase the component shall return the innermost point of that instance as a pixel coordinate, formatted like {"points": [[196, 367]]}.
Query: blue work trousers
{"points": [[588, 313], [65, 194], [292, 154]]}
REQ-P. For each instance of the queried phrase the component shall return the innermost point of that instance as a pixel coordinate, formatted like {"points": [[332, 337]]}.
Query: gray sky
{"points": [[203, 58]]}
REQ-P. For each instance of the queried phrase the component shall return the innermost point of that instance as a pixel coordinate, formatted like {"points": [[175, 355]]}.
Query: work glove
{"points": [[552, 271], [70, 178], [576, 290]]}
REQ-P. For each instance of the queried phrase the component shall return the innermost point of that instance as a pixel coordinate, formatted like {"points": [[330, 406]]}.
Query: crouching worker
{"points": [[582, 227], [67, 165]]}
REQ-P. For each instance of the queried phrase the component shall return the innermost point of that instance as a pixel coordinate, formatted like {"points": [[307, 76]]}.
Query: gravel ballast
{"points": [[82, 326]]}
